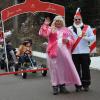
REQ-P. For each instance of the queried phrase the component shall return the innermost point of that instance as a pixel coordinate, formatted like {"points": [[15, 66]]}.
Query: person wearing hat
{"points": [[83, 34], [61, 67], [24, 47], [25, 52]]}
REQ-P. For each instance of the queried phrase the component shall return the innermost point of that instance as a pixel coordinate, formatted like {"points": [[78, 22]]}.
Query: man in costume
{"points": [[83, 34]]}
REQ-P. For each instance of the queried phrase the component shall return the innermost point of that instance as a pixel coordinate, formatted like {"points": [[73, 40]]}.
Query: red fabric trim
{"points": [[93, 45], [79, 38]]}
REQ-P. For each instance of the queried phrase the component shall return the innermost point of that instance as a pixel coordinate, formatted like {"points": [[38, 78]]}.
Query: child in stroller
{"points": [[24, 55]]}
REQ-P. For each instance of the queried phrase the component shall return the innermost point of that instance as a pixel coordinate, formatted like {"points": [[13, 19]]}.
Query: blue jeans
{"points": [[26, 58]]}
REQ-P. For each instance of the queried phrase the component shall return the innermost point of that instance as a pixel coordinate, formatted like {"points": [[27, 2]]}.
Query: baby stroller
{"points": [[27, 62], [11, 64], [12, 67]]}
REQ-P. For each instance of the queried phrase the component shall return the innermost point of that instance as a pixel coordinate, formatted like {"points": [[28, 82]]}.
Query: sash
{"points": [[79, 38]]}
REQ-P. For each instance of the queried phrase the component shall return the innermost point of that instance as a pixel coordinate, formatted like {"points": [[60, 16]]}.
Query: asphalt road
{"points": [[36, 87]]}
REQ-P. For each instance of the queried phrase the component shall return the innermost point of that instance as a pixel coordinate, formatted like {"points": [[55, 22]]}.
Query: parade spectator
{"points": [[11, 56]]}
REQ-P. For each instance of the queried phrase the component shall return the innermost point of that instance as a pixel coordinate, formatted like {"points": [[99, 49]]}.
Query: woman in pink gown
{"points": [[59, 60]]}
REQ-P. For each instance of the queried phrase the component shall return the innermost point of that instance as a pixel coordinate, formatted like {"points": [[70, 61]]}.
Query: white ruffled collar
{"points": [[78, 26]]}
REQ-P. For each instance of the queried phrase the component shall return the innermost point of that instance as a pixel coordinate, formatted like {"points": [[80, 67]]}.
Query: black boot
{"points": [[86, 88], [63, 89], [55, 90], [78, 88]]}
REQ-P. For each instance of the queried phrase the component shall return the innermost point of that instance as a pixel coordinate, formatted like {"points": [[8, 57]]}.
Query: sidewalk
{"points": [[95, 63]]}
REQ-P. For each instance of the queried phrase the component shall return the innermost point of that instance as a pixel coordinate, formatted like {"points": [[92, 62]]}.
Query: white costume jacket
{"points": [[83, 45]]}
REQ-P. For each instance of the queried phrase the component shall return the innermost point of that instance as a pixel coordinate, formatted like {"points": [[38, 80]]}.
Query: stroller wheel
{"points": [[43, 72], [24, 75], [16, 69]]}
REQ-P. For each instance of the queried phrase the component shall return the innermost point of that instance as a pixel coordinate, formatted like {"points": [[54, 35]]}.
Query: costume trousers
{"points": [[82, 63]]}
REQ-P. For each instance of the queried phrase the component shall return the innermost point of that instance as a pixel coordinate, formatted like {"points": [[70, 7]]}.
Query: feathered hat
{"points": [[77, 14]]}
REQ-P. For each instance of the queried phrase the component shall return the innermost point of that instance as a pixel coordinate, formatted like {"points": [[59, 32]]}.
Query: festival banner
{"points": [[32, 6]]}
